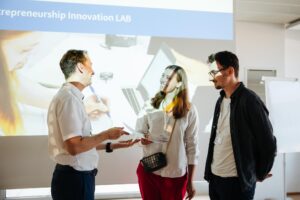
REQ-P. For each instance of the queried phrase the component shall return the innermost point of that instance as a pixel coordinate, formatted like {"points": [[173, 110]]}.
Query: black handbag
{"points": [[156, 161]]}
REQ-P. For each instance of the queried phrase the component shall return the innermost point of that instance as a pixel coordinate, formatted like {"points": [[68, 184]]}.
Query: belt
{"points": [[68, 168]]}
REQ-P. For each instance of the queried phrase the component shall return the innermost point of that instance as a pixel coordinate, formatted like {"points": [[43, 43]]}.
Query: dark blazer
{"points": [[253, 142]]}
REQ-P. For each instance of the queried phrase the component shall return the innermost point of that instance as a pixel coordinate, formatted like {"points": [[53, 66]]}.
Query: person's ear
{"points": [[80, 67], [179, 84], [229, 71], [232, 71]]}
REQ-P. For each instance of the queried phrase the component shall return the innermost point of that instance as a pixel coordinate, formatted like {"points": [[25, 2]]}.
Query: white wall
{"points": [[292, 69], [270, 46], [260, 46], [292, 52]]}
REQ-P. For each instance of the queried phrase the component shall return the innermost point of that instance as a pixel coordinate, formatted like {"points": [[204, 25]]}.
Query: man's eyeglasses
{"points": [[213, 73]]}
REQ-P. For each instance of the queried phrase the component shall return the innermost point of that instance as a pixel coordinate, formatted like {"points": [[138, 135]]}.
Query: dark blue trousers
{"points": [[228, 189], [70, 184]]}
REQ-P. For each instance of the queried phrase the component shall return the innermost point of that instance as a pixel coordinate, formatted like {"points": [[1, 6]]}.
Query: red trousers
{"points": [[154, 187]]}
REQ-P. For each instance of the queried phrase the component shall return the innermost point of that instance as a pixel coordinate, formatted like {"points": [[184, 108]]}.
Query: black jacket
{"points": [[253, 142]]}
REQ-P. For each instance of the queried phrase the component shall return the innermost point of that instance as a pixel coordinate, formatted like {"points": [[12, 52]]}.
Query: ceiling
{"points": [[268, 11]]}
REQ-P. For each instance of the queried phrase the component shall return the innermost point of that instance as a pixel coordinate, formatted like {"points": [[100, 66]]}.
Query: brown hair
{"points": [[70, 59]]}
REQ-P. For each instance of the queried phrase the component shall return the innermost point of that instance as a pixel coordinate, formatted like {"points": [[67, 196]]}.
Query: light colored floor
{"points": [[196, 198], [292, 197]]}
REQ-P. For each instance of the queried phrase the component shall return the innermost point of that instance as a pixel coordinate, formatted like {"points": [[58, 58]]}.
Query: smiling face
{"points": [[168, 81], [87, 71]]}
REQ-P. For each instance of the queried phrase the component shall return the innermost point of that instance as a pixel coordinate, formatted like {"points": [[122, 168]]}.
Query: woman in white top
{"points": [[170, 125]]}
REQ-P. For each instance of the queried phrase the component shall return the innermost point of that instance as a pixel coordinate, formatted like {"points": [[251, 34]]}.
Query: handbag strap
{"points": [[171, 136]]}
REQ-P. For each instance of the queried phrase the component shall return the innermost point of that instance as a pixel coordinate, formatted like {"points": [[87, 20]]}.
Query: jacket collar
{"points": [[236, 92]]}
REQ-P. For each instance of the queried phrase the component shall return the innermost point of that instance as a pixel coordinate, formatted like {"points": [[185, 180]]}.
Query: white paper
{"points": [[138, 135], [134, 133]]}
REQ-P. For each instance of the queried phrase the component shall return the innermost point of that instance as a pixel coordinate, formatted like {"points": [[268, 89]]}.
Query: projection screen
{"points": [[130, 42]]}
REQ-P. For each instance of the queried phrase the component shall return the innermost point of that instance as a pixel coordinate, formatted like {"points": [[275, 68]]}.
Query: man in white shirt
{"points": [[71, 144]]}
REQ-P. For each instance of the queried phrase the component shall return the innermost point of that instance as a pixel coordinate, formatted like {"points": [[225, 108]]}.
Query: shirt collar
{"points": [[74, 90]]}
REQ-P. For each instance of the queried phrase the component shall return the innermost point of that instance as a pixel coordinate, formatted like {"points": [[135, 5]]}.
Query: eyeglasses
{"points": [[213, 73]]}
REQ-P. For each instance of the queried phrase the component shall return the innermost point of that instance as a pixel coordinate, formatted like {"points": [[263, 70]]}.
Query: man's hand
{"points": [[115, 133], [124, 144], [268, 176]]}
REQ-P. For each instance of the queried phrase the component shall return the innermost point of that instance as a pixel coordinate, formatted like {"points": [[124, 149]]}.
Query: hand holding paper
{"points": [[133, 132], [139, 135]]}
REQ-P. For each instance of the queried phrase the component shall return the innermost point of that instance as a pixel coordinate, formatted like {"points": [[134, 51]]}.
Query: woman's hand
{"points": [[190, 191], [145, 141]]}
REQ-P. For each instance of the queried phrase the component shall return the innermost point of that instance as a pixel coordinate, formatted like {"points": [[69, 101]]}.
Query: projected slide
{"points": [[187, 19], [130, 43]]}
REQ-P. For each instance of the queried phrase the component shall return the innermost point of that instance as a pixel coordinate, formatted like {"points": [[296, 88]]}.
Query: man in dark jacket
{"points": [[242, 146]]}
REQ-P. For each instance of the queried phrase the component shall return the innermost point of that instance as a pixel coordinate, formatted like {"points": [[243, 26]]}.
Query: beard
{"points": [[218, 87]]}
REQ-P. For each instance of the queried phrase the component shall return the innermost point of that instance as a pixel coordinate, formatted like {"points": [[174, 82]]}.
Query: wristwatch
{"points": [[108, 148]]}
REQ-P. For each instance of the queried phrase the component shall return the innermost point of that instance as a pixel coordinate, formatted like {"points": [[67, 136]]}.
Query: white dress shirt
{"points": [[67, 118]]}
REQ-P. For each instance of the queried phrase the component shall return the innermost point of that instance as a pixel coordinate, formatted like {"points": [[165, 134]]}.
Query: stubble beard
{"points": [[218, 87]]}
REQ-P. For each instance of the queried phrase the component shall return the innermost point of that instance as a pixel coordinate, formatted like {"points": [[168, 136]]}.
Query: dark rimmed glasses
{"points": [[213, 73]]}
